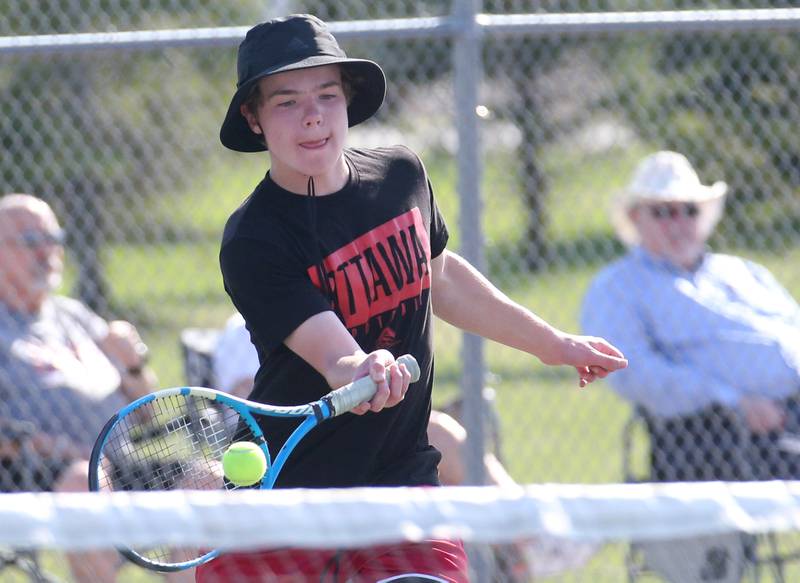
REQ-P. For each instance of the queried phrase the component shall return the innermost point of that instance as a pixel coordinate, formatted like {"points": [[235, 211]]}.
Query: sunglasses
{"points": [[33, 239], [673, 211]]}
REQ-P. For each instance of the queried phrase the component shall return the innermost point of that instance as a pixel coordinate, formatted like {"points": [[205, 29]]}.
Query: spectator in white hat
{"points": [[713, 340]]}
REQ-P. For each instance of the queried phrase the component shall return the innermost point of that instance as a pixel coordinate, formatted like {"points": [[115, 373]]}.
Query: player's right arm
{"points": [[463, 297], [271, 288], [324, 343]]}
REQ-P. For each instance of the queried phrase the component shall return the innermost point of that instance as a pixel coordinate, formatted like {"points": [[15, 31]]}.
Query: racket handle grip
{"points": [[349, 396]]}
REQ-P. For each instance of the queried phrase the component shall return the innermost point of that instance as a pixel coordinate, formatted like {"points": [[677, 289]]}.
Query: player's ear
{"points": [[251, 119]]}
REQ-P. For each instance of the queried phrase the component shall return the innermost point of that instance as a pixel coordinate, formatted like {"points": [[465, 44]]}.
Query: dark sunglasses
{"points": [[673, 211], [34, 239]]}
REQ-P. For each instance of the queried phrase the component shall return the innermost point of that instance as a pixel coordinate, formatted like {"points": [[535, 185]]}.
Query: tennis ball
{"points": [[244, 463]]}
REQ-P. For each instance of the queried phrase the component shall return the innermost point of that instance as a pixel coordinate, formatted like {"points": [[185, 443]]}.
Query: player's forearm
{"points": [[463, 297], [343, 369], [324, 343]]}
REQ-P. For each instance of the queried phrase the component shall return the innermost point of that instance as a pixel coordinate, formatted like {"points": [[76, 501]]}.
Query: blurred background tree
{"points": [[725, 102], [686, 92], [75, 104]]}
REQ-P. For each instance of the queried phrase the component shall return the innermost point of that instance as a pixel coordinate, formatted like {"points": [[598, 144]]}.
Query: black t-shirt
{"points": [[374, 240]]}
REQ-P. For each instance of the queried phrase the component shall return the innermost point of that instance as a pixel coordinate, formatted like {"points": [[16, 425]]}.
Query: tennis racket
{"points": [[175, 439]]}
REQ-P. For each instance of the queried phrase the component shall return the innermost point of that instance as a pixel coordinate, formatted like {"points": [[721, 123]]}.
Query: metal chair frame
{"points": [[25, 561], [634, 561]]}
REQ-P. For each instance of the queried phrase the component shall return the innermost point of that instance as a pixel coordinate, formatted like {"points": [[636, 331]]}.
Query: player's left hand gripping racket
{"points": [[175, 439]]}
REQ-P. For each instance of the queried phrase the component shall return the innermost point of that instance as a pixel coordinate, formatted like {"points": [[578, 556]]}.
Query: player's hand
{"points": [[762, 415], [376, 365], [594, 358]]}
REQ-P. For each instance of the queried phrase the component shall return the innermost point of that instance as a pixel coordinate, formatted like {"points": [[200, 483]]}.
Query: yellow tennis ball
{"points": [[244, 463]]}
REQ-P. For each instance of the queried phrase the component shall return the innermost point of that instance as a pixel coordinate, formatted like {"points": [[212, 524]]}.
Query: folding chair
{"points": [[197, 348], [26, 563], [720, 558], [19, 476]]}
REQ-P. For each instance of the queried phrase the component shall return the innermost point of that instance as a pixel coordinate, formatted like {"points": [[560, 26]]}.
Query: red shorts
{"points": [[444, 559]]}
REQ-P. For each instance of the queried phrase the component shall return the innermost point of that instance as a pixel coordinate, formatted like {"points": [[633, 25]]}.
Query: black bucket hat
{"points": [[299, 41]]}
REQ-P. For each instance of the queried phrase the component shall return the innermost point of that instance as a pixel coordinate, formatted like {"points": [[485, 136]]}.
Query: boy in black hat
{"points": [[335, 261]]}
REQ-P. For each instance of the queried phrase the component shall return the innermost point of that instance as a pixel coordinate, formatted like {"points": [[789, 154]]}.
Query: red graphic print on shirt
{"points": [[387, 338], [379, 270]]}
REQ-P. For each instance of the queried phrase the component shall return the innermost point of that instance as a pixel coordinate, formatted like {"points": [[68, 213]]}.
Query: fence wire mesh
{"points": [[123, 144]]}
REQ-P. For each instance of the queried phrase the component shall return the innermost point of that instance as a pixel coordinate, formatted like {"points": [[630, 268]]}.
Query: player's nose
{"points": [[313, 116]]}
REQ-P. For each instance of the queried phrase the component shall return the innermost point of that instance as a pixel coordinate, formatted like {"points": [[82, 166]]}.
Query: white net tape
{"points": [[356, 517]]}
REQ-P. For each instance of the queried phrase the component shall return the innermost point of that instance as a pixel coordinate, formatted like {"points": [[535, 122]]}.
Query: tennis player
{"points": [[338, 262]]}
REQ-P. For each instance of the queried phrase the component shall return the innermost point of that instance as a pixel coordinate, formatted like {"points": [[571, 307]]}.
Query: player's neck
{"points": [[325, 183]]}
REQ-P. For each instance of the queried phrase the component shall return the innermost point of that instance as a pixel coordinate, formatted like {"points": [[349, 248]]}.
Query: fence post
{"points": [[468, 72]]}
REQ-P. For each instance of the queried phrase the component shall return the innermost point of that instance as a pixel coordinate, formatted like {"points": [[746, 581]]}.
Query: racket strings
{"points": [[174, 442]]}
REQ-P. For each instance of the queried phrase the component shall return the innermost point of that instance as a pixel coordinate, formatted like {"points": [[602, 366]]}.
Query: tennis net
{"points": [[682, 532]]}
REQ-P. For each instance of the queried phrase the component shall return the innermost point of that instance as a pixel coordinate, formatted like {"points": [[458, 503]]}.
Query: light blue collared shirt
{"points": [[693, 339]]}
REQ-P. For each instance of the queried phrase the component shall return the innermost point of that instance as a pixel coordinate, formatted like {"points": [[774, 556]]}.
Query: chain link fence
{"points": [[123, 143]]}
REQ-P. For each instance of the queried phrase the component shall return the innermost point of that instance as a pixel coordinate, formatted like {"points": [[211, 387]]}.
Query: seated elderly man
{"points": [[64, 371], [713, 340]]}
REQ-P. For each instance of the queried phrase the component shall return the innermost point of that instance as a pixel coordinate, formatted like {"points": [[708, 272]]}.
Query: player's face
{"points": [[303, 116], [671, 230], [31, 256]]}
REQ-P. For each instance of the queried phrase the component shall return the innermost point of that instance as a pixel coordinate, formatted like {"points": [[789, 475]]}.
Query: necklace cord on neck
{"points": [[312, 217]]}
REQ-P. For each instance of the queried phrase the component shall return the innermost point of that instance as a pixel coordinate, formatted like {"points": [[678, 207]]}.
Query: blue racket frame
{"points": [[313, 413]]}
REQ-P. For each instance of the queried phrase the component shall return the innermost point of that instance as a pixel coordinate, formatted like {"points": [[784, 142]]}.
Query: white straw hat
{"points": [[666, 177]]}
